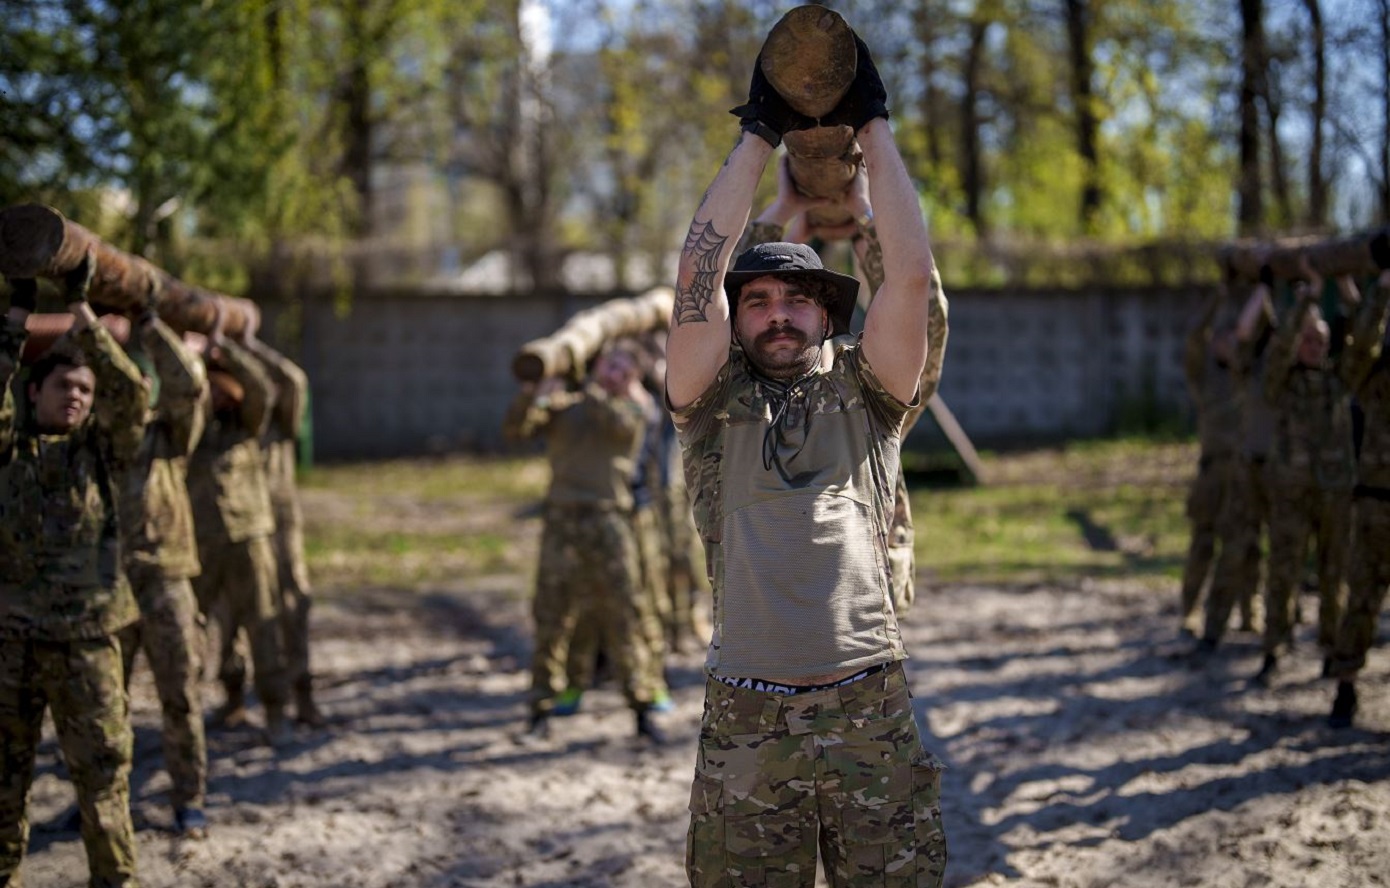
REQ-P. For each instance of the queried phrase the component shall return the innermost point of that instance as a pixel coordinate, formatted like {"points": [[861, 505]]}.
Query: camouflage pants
{"points": [[687, 580], [237, 591], [588, 560], [1300, 512], [1239, 528], [295, 599], [1368, 578], [842, 769], [1209, 513], [652, 613], [170, 635], [81, 681]]}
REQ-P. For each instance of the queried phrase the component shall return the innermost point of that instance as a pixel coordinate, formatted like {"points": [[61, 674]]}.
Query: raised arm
{"points": [[183, 383], [23, 294], [698, 344], [259, 391], [1367, 334], [291, 388]]}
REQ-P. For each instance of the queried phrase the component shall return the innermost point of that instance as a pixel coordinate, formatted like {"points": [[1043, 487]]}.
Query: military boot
{"points": [[232, 713], [306, 712], [1344, 706], [647, 729], [277, 727]]}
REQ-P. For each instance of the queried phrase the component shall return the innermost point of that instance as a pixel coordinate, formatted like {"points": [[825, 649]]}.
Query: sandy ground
{"points": [[1083, 751]]}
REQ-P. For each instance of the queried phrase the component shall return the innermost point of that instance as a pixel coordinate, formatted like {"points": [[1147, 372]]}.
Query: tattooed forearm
{"points": [[703, 247], [872, 258]]}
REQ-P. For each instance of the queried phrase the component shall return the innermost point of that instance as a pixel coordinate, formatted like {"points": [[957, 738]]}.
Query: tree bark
{"points": [[569, 349], [1317, 182], [1087, 123], [37, 241], [809, 57], [1331, 257], [972, 153], [1250, 212]]}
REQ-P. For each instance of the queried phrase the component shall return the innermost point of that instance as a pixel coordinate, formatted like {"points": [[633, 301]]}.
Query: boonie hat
{"points": [[794, 259]]}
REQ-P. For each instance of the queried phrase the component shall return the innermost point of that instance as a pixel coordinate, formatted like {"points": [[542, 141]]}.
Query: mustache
{"points": [[784, 330]]}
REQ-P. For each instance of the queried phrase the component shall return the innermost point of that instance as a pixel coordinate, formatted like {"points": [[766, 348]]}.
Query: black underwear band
{"points": [[772, 687]]}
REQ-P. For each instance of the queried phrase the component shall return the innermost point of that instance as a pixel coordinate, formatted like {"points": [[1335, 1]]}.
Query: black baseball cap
{"points": [[793, 259]]}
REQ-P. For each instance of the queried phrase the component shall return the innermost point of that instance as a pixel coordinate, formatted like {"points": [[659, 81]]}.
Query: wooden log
{"points": [[569, 349], [809, 57], [44, 329], [38, 241], [1330, 257]]}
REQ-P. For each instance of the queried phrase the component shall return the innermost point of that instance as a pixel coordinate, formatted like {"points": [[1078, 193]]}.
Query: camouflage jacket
{"points": [[1313, 435], [1217, 390], [592, 444], [226, 475], [279, 443], [156, 515], [1369, 370], [60, 571]]}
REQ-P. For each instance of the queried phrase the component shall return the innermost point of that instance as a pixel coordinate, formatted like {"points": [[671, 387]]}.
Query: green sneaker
{"points": [[568, 702]]}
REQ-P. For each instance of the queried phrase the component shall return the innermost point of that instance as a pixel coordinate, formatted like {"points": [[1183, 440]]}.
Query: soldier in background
{"points": [[1208, 363], [1368, 572], [1236, 577], [161, 554], [280, 445], [1312, 471], [588, 554], [63, 597], [234, 522]]}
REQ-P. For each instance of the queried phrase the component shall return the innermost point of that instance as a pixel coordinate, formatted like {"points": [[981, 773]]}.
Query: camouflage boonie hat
{"points": [[794, 259]]}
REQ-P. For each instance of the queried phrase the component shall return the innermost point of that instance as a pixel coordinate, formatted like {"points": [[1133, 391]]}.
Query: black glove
{"points": [[77, 281], [24, 293], [1380, 249], [766, 114], [866, 99]]}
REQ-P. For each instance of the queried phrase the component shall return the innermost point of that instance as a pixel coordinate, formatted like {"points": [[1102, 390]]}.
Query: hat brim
{"points": [[846, 291]]}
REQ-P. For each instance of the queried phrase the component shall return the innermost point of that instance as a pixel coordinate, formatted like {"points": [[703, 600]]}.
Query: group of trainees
{"points": [[147, 493], [1293, 411]]}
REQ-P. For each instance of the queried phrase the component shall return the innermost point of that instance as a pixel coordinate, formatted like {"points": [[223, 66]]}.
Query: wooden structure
{"points": [[38, 241], [568, 350], [810, 59], [1330, 257]]}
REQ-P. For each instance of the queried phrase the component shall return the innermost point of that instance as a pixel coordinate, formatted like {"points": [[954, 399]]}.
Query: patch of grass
{"points": [[1091, 509], [1094, 509]]}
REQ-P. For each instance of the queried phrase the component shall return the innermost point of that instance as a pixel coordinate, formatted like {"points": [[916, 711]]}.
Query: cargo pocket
{"points": [[730, 848]]}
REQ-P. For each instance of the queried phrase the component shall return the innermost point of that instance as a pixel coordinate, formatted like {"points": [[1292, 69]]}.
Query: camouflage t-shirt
{"points": [[793, 489]]}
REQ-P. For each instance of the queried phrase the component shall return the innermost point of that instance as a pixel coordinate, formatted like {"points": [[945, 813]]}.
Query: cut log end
{"points": [[29, 236], [809, 58]]}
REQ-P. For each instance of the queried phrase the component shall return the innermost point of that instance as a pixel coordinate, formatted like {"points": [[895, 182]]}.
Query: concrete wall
{"points": [[400, 374]]}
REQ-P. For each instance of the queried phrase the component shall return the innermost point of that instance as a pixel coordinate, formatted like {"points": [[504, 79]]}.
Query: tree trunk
{"points": [[972, 175], [1087, 123], [1385, 115], [1278, 177], [1317, 182], [1250, 212]]}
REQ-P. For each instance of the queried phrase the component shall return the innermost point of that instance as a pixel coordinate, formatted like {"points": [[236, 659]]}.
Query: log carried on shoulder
{"points": [[1330, 257], [44, 329], [38, 241], [810, 58], [570, 348]]}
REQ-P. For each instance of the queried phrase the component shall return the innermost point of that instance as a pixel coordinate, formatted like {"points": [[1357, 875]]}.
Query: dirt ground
{"points": [[1083, 751]]}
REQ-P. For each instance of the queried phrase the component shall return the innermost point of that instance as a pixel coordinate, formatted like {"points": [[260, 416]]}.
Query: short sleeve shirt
{"points": [[793, 491]]}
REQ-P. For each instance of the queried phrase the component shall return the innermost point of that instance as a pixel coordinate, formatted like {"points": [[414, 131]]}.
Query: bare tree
{"points": [[1317, 180], [1086, 121], [1249, 189]]}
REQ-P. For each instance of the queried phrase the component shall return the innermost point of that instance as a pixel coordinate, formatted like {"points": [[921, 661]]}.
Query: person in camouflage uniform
{"points": [[63, 597], [1208, 359], [1368, 573], [160, 554], [1245, 508], [1311, 471], [588, 556], [773, 225], [280, 446], [234, 522], [790, 427]]}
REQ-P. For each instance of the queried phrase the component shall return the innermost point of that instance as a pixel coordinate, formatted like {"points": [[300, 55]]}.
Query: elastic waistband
{"points": [[771, 687]]}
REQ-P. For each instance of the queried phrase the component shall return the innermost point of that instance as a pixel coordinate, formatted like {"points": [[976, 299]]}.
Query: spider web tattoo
{"points": [[704, 245]]}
